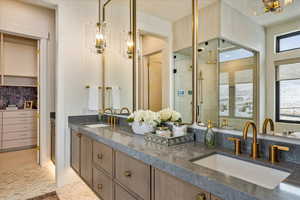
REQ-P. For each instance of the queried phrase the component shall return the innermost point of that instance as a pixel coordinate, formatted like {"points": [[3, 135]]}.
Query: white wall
{"points": [[76, 66], [272, 57]]}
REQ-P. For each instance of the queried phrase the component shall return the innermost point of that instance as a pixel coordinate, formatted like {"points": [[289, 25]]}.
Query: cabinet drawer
{"points": [[122, 194], [19, 127], [103, 156], [19, 135], [14, 121], [133, 174], [102, 184], [214, 198], [16, 114], [19, 143], [180, 189]]}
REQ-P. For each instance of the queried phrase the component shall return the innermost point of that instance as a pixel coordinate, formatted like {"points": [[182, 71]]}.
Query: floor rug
{"points": [[48, 196]]}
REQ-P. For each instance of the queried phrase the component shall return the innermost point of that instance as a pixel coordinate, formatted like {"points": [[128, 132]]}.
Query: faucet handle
{"points": [[237, 145], [273, 152]]}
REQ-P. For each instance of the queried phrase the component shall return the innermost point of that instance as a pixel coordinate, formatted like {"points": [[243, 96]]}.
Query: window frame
{"points": [[277, 100], [280, 37]]}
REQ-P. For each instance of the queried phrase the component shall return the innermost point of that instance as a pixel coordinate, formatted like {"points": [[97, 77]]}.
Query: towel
{"points": [[93, 102], [116, 97]]}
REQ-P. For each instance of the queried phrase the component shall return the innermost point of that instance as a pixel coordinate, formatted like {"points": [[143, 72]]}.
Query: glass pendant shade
{"points": [[129, 43], [100, 38]]}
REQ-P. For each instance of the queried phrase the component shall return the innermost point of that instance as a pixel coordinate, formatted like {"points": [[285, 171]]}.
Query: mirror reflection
{"points": [[164, 55], [118, 62]]}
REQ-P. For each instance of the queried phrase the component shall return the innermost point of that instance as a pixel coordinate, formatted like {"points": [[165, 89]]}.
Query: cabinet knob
{"points": [[100, 186], [79, 135], [127, 174], [100, 156], [201, 196]]}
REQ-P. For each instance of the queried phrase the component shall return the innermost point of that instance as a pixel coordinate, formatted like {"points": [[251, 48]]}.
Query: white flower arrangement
{"points": [[146, 116], [169, 115]]}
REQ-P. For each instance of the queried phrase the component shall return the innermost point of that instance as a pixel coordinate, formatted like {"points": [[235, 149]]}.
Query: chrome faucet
{"points": [[125, 109], [265, 126], [255, 146]]}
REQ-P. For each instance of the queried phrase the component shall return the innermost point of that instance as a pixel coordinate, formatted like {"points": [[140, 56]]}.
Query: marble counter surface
{"points": [[176, 161]]}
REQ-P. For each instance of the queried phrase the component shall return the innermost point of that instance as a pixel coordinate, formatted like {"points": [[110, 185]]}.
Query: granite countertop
{"points": [[176, 161]]}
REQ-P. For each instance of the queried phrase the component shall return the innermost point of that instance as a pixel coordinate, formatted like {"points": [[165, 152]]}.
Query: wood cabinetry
{"points": [[114, 175], [18, 61], [103, 157], [75, 151], [167, 187], [86, 150], [102, 184], [18, 129], [133, 174], [122, 194]]}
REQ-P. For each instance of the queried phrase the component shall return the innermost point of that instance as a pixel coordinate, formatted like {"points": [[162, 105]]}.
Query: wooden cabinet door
{"points": [[122, 194], [86, 159], [103, 156], [167, 187], [75, 151]]}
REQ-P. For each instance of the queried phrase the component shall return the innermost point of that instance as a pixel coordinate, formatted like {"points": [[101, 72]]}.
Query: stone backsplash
{"points": [[17, 96]]}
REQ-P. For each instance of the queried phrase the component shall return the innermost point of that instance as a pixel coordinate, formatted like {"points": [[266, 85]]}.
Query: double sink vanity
{"points": [[119, 165]]}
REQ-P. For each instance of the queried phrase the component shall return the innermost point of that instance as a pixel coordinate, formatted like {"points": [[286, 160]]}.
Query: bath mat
{"points": [[48, 196]]}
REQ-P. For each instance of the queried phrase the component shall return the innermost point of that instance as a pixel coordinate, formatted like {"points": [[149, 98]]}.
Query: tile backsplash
{"points": [[17, 96]]}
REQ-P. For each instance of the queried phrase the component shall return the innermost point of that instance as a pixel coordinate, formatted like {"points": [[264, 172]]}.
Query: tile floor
{"points": [[21, 178]]}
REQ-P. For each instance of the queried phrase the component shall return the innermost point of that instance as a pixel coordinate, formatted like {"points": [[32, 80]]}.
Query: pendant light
{"points": [[129, 41], [100, 34]]}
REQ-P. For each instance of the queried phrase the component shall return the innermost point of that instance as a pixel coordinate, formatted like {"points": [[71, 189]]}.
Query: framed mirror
{"points": [[164, 56], [118, 56]]}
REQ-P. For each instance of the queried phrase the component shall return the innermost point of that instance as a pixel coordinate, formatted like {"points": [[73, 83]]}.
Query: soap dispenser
{"points": [[210, 136]]}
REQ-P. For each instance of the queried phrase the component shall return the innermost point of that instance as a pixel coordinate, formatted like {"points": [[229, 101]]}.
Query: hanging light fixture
{"points": [[275, 5], [129, 41], [100, 34]]}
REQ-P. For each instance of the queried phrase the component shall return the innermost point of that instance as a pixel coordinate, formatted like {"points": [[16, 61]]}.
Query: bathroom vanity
{"points": [[119, 165]]}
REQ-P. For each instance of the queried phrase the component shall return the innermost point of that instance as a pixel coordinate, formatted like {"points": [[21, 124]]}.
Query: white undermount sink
{"points": [[97, 125], [260, 175]]}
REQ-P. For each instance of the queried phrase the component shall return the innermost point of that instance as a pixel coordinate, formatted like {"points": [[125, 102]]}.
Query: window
{"points": [[243, 94], [288, 42], [224, 94], [288, 93]]}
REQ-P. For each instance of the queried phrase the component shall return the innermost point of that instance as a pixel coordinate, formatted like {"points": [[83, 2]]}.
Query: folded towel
{"points": [[116, 104], [93, 101]]}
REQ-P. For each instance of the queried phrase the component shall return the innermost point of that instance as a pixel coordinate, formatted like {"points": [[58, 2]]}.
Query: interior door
{"points": [[155, 82]]}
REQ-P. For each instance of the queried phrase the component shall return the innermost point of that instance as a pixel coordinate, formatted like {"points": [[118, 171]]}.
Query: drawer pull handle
{"points": [[100, 186], [79, 135], [201, 196], [127, 174], [100, 156]]}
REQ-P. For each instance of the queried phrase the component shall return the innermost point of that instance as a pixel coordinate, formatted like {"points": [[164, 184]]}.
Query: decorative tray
{"points": [[169, 141]]}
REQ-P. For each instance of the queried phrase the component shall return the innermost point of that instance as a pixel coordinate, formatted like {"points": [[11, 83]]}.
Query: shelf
{"points": [[20, 76], [12, 85]]}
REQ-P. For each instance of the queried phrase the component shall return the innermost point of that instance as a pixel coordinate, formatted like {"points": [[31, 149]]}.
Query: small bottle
{"points": [[210, 136]]}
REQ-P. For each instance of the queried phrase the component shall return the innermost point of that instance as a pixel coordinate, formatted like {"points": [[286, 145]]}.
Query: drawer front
{"points": [[19, 135], [19, 143], [102, 185], [14, 121], [103, 156], [133, 174], [180, 189], [19, 127], [122, 194], [16, 114]]}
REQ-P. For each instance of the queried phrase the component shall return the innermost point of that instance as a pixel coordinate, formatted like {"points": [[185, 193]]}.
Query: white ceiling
{"points": [[173, 10], [170, 10]]}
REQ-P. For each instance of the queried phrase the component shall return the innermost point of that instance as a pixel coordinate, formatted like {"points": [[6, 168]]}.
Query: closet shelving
{"points": [[18, 61]]}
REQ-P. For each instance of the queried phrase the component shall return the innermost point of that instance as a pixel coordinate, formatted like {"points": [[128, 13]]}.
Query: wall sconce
{"points": [[100, 38], [129, 43]]}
